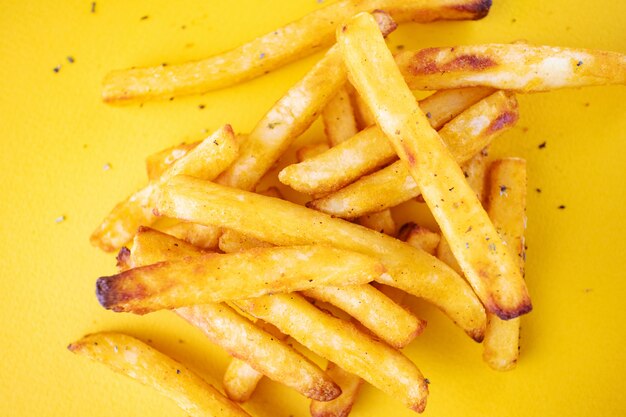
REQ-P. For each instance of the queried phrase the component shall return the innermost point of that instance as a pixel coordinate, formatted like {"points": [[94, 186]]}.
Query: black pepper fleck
{"points": [[144, 17], [542, 145], [579, 63], [57, 68], [201, 106], [561, 207], [70, 59], [538, 190]]}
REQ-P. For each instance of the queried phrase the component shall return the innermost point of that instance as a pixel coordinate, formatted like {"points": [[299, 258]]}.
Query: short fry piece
{"points": [[507, 209], [376, 362], [420, 237], [485, 260], [338, 117], [199, 235], [444, 105], [127, 355], [283, 223], [240, 380], [221, 277], [159, 162], [465, 136], [519, 67], [342, 405], [381, 221]]}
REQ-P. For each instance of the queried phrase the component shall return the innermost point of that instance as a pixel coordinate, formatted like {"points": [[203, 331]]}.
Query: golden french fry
{"points": [[338, 118], [206, 161], [420, 237], [290, 117], [284, 223], [232, 241], [237, 335], [507, 209], [465, 136], [362, 113], [520, 67], [298, 39], [382, 366], [370, 149], [221, 277], [199, 235], [444, 105], [381, 221], [310, 151], [159, 162], [373, 310], [342, 405], [487, 263], [128, 356]]}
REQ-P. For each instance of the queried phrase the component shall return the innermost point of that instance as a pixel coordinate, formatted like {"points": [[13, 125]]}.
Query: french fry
{"points": [[381, 221], [128, 356], [298, 39], [507, 209], [342, 405], [290, 117], [487, 263], [237, 335], [465, 136], [519, 67], [206, 161], [283, 223], [232, 241], [382, 366], [338, 118], [310, 151], [420, 237], [362, 113], [444, 105], [223, 277], [373, 310], [159, 162], [199, 235]]}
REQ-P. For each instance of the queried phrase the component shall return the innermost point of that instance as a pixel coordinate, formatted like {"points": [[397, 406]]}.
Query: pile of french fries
{"points": [[250, 269]]}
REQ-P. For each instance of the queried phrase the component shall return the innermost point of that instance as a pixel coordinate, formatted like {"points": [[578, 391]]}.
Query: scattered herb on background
{"points": [[542, 145]]}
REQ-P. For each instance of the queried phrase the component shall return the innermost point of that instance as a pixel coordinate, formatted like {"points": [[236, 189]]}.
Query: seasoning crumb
{"points": [[542, 145], [144, 17], [513, 20], [181, 341], [579, 63], [93, 7], [426, 381], [115, 349], [171, 98], [106, 167], [262, 55], [503, 189], [201, 106], [178, 371], [467, 245], [60, 219], [451, 188], [587, 290], [164, 64], [215, 143], [272, 125], [538, 190], [562, 207], [586, 104], [429, 115], [57, 68], [70, 59], [400, 47], [469, 229]]}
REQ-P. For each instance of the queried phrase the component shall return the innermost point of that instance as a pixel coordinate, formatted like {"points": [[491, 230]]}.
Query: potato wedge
{"points": [[342, 343], [284, 223], [298, 39], [507, 209], [519, 67], [342, 405], [465, 136], [420, 237], [221, 277], [128, 356], [234, 333], [487, 262], [338, 118], [207, 160]]}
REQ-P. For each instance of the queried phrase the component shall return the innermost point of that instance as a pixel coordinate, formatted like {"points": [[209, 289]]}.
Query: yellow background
{"points": [[57, 136]]}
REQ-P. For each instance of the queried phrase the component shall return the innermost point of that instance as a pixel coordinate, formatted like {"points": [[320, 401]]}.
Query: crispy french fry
{"points": [[507, 209], [237, 335], [222, 277], [283, 223], [273, 192], [520, 67], [206, 161], [420, 237], [373, 310], [487, 262], [204, 237], [444, 105], [338, 118], [342, 405], [310, 151], [290, 117], [128, 356], [381, 221], [298, 39], [159, 162], [362, 113], [375, 362], [232, 241], [465, 136]]}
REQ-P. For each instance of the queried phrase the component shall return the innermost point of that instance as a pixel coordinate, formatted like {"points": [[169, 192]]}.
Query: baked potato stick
{"points": [[338, 118], [465, 135], [128, 356], [222, 277], [519, 67], [373, 310], [284, 223], [507, 209], [290, 117], [342, 405], [420, 237], [298, 39], [237, 335], [206, 161], [487, 263], [342, 343]]}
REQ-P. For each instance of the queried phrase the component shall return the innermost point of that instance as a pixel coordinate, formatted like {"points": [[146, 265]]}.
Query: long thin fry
{"points": [[520, 67], [128, 356], [301, 38], [487, 262], [283, 223], [338, 118]]}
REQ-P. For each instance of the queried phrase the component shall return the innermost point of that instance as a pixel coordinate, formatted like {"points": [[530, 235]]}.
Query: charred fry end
{"points": [[478, 8], [524, 307], [112, 296]]}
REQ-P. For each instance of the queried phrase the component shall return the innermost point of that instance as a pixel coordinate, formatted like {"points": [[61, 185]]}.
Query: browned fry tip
{"points": [[506, 119], [524, 307], [425, 62], [122, 258], [384, 21], [478, 8]]}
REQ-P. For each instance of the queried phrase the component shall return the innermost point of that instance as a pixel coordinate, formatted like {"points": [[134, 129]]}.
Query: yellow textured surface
{"points": [[57, 138]]}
